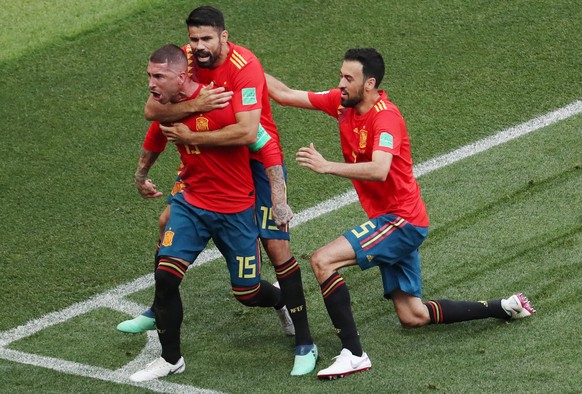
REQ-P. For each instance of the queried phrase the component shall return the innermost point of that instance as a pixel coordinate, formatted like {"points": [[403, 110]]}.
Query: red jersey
{"points": [[381, 128], [216, 178], [243, 74]]}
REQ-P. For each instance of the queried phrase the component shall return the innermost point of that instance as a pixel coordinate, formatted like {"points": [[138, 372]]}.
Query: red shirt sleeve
{"points": [[328, 102], [388, 132], [270, 154], [155, 140], [248, 86]]}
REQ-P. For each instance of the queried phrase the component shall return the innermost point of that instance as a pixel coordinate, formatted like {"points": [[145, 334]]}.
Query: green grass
{"points": [[30, 25], [72, 226]]}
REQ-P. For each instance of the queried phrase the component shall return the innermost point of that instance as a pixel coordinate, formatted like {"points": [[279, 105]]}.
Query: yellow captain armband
{"points": [[262, 138]]}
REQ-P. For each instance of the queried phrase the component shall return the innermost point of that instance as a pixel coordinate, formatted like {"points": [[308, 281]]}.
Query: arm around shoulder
{"points": [[155, 111], [208, 98], [286, 96]]}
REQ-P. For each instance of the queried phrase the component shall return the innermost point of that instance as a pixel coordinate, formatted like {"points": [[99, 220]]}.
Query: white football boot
{"points": [[345, 364], [158, 369], [517, 306]]}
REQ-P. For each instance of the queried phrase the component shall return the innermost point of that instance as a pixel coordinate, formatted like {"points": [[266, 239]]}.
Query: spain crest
{"points": [[363, 139], [168, 238], [202, 124]]}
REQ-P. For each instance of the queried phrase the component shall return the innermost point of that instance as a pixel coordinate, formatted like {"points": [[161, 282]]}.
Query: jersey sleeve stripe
{"points": [[238, 60], [380, 106]]}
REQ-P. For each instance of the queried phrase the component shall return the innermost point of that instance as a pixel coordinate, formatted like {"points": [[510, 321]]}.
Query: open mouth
{"points": [[156, 95], [203, 56]]}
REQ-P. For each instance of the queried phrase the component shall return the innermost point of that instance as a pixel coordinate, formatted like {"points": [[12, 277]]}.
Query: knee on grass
{"points": [[413, 318]]}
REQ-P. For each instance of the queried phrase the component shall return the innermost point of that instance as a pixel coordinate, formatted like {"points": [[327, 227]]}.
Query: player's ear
{"points": [[370, 83], [182, 77], [224, 36]]}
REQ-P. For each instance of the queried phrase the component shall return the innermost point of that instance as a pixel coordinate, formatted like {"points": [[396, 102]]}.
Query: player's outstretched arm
{"points": [[284, 95]]}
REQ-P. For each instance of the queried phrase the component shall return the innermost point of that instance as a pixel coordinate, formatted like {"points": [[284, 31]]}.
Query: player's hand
{"points": [[282, 214], [309, 157], [178, 133], [147, 189], [210, 98]]}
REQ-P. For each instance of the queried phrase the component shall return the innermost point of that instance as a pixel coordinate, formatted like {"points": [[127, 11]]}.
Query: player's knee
{"points": [[410, 319], [169, 279], [319, 264], [409, 322], [247, 296], [250, 301]]}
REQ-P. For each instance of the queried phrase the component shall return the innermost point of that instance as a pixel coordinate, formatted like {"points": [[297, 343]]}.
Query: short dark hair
{"points": [[171, 54], [371, 60], [206, 16]]}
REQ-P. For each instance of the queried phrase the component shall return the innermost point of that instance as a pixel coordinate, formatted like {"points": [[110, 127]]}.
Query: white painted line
{"points": [[91, 371], [114, 299], [499, 138], [324, 207], [104, 300]]}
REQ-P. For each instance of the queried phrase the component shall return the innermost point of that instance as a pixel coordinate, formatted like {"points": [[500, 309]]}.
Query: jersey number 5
{"points": [[267, 215], [364, 229]]}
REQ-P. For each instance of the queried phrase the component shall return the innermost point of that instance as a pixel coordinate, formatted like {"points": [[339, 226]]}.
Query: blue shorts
{"points": [[235, 235], [390, 243], [263, 205]]}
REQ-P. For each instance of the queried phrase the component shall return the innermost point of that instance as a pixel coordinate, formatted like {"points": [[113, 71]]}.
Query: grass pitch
{"points": [[505, 220]]}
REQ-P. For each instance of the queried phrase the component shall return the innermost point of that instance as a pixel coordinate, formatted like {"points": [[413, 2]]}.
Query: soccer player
{"points": [[217, 203], [376, 150], [213, 59]]}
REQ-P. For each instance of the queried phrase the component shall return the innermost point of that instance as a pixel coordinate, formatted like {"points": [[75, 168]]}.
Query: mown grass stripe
{"points": [[34, 24]]}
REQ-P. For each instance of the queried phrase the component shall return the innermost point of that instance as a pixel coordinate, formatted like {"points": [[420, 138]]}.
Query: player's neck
{"points": [[188, 90], [224, 52], [368, 102]]}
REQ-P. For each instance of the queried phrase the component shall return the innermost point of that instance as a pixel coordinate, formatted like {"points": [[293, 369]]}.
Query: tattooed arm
{"points": [[144, 186], [282, 213]]}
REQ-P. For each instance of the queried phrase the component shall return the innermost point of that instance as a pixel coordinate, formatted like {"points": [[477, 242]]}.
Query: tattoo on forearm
{"points": [[146, 160], [277, 182], [281, 212]]}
